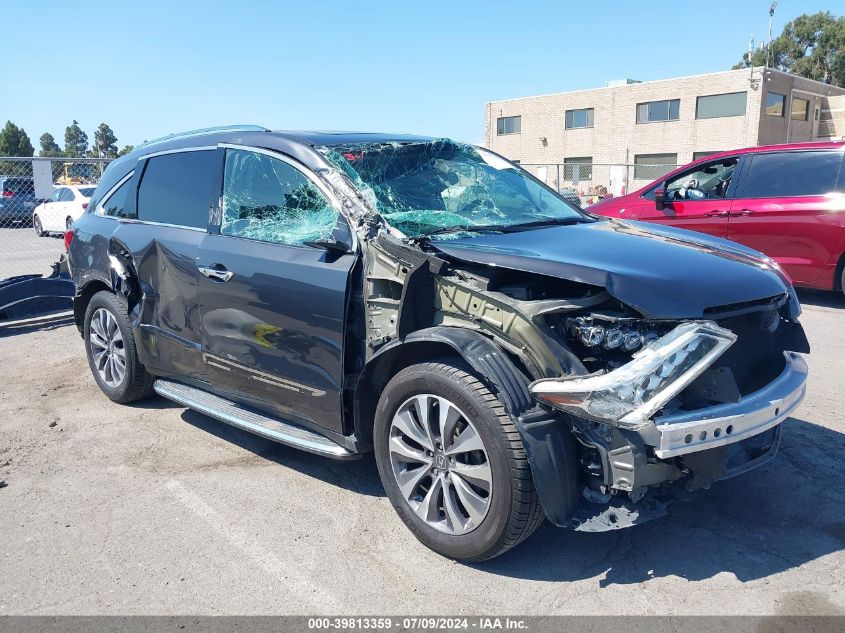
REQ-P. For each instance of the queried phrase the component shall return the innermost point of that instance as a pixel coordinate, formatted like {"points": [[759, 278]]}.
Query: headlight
{"points": [[630, 395], [624, 336]]}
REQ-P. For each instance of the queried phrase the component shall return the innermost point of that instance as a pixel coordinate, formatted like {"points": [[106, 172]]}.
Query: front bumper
{"points": [[692, 431]]}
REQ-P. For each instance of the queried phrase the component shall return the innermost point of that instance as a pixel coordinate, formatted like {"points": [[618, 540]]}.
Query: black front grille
{"points": [[756, 358]]}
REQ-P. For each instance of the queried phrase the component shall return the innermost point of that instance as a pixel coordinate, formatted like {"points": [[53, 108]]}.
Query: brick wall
{"points": [[616, 137]]}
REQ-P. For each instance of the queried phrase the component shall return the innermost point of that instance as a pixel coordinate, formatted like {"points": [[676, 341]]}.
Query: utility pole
{"points": [[769, 47]]}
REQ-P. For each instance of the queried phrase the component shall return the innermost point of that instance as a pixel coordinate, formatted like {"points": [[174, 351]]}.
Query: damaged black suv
{"points": [[507, 357]]}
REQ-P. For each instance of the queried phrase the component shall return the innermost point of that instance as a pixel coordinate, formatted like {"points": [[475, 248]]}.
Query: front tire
{"points": [[39, 229], [112, 355], [69, 223], [452, 462]]}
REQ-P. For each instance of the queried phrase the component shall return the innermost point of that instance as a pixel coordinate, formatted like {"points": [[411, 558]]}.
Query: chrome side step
{"points": [[243, 418]]}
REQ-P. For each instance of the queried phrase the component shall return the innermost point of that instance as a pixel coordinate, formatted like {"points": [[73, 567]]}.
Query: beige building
{"points": [[573, 138]]}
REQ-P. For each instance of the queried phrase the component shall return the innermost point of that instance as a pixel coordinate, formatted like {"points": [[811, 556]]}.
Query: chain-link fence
{"points": [[39, 199], [590, 182]]}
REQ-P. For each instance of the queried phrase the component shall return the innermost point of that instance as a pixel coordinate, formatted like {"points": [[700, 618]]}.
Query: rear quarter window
{"points": [[116, 204], [177, 189], [789, 174]]}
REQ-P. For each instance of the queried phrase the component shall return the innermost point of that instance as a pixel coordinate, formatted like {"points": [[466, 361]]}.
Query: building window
{"points": [[579, 118], [774, 104], [800, 109], [508, 125], [658, 111], [651, 166], [578, 168], [715, 106], [698, 155]]}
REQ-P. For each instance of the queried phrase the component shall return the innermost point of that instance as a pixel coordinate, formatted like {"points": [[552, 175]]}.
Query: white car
{"points": [[62, 210]]}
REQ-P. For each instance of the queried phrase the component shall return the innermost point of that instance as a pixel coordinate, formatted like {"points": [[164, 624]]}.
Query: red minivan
{"points": [[787, 201]]}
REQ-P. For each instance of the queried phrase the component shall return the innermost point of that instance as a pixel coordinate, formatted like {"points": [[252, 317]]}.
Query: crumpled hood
{"points": [[662, 272]]}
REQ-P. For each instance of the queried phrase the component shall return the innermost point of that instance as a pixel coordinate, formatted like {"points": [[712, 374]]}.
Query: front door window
{"points": [[705, 182], [267, 199]]}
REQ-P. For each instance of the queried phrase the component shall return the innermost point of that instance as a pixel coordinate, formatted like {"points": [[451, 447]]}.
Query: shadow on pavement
{"points": [[785, 514], [357, 475], [821, 298]]}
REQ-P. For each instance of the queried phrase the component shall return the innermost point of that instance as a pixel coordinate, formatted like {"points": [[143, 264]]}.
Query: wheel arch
{"points": [[547, 438], [479, 352], [837, 275], [83, 298]]}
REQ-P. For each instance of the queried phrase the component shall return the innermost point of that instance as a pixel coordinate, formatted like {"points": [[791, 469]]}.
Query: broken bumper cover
{"points": [[631, 396], [702, 429]]}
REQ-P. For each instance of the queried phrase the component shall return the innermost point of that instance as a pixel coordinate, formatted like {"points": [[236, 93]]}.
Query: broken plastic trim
{"points": [[629, 396]]}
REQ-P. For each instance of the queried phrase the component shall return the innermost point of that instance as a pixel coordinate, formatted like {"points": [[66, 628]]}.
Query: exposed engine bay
{"points": [[624, 376]]}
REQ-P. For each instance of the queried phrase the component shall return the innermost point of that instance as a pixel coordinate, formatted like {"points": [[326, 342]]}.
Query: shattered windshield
{"points": [[441, 186]]}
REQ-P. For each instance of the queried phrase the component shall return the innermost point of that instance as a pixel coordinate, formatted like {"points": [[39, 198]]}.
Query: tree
{"points": [[14, 141], [76, 141], [49, 147], [811, 46], [105, 142], [126, 149]]}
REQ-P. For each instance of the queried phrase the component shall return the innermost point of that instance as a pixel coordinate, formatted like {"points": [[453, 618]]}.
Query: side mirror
{"points": [[660, 198], [339, 242], [331, 245]]}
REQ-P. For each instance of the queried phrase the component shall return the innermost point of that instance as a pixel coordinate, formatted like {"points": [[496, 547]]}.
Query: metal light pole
{"points": [[769, 47]]}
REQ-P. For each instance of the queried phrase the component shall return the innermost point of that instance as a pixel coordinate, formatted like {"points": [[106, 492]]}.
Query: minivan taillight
{"points": [[68, 239]]}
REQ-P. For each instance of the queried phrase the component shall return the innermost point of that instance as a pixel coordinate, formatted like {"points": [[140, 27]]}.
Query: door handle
{"points": [[743, 213], [217, 272], [716, 214]]}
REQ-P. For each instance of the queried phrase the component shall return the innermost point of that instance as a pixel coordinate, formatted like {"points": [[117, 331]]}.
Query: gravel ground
{"points": [[152, 509]]}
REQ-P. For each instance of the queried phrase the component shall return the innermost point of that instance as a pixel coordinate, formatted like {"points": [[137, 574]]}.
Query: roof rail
{"points": [[206, 130]]}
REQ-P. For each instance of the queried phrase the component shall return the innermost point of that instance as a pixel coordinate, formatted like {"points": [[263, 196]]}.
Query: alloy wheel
{"points": [[440, 464], [37, 224], [69, 223], [107, 348]]}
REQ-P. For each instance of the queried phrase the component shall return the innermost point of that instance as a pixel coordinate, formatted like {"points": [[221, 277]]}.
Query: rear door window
{"points": [[177, 189], [789, 174], [267, 199]]}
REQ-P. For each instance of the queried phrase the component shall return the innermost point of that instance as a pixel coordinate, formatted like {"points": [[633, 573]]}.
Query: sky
{"points": [[151, 67]]}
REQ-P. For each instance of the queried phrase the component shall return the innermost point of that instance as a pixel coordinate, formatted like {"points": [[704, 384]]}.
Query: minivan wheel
{"points": [[111, 351], [452, 462], [36, 224]]}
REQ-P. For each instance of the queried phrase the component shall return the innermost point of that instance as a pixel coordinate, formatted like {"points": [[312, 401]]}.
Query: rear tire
{"points": [[36, 224], [69, 223], [463, 526], [112, 354]]}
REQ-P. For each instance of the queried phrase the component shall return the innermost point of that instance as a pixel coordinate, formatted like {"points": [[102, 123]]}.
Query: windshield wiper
{"points": [[503, 228]]}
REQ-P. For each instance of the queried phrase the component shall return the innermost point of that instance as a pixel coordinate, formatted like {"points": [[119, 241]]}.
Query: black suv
{"points": [[507, 356]]}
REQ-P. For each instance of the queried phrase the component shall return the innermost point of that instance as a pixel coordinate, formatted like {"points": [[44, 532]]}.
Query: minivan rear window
{"points": [[789, 174], [176, 189]]}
